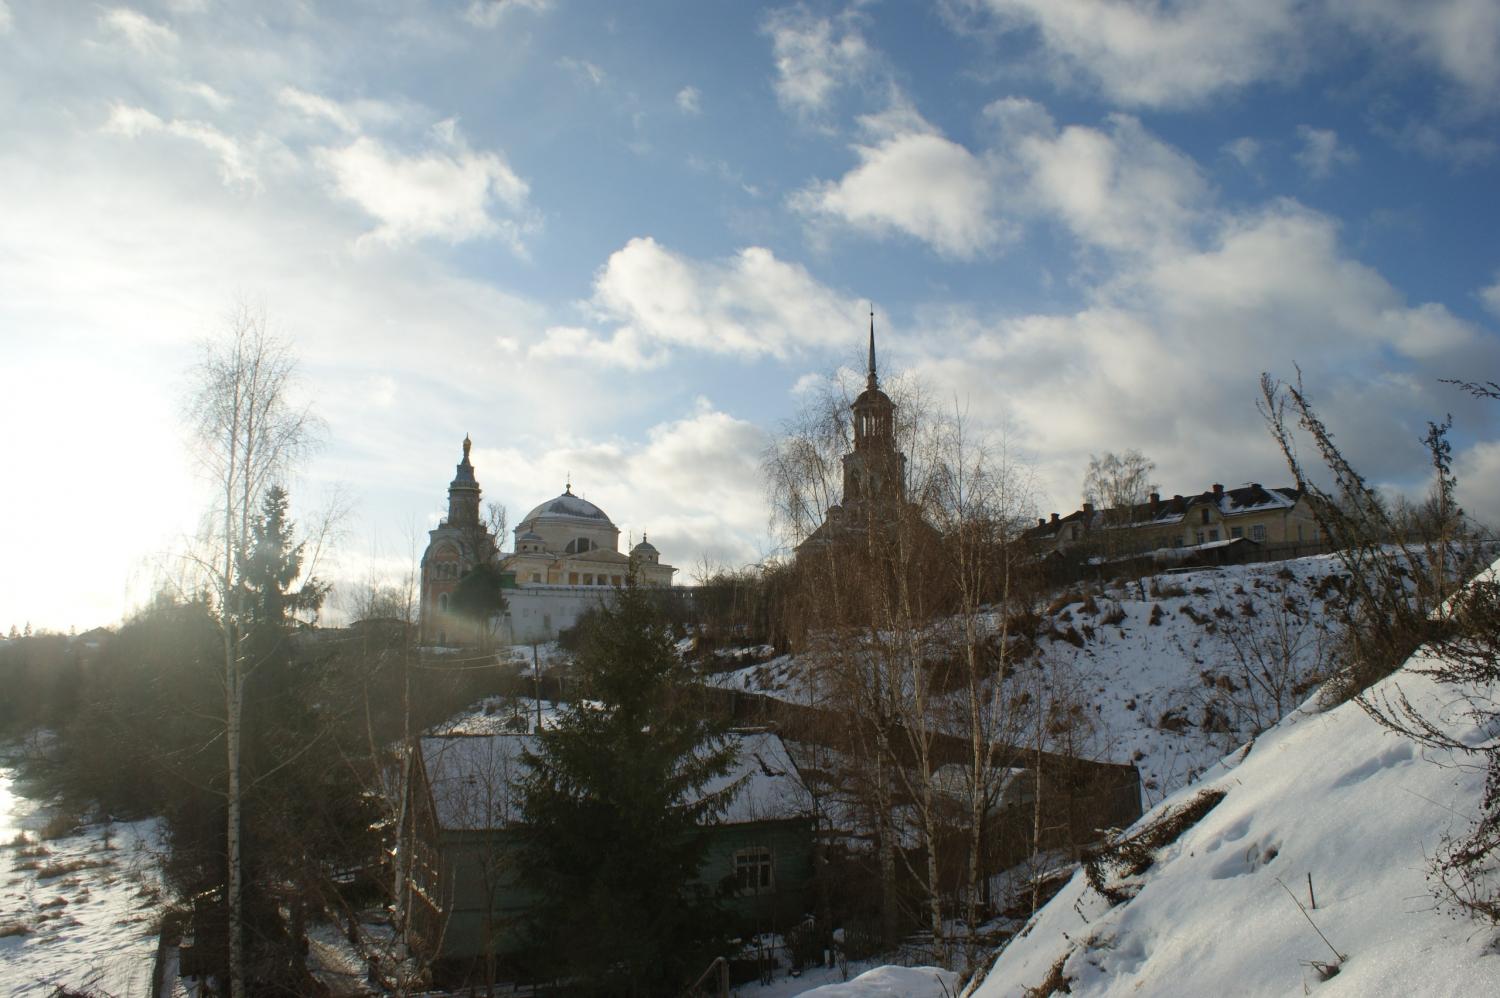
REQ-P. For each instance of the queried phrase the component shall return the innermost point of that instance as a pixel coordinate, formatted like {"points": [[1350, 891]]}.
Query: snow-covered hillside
{"points": [[1161, 666], [1334, 796]]}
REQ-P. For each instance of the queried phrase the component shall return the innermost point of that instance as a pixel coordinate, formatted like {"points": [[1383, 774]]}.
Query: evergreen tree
{"points": [[614, 814]]}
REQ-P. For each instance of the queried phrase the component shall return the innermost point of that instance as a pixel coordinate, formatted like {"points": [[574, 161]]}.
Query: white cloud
{"points": [[234, 163], [1123, 189], [1161, 54], [583, 69], [1244, 150], [5, 18], [689, 100], [451, 193], [912, 181], [749, 305], [814, 57], [143, 34], [318, 106], [1491, 297], [1321, 152], [489, 13], [1166, 357], [624, 349], [1461, 38]]}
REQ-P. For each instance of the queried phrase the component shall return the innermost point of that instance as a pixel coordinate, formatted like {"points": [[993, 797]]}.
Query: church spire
{"points": [[871, 381]]}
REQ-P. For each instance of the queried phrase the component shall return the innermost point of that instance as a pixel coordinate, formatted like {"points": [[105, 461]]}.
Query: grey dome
{"points": [[567, 505]]}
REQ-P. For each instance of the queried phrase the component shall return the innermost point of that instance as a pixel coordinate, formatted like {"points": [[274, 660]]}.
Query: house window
{"points": [[1213, 535], [1236, 531], [588, 579], [752, 870], [1258, 532], [536, 576], [572, 578], [614, 580], [1205, 514], [1197, 537], [1177, 542]]}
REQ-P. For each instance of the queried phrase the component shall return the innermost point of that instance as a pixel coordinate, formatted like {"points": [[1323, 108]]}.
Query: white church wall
{"points": [[540, 613]]}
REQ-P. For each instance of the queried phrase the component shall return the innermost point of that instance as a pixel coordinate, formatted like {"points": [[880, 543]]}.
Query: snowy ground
{"points": [[78, 910], [1334, 796], [1146, 686]]}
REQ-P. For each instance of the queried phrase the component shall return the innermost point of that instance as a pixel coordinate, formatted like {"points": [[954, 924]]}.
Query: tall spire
{"points": [[872, 381]]}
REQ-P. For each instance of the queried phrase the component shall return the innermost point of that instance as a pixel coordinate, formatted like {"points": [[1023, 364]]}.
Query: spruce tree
{"points": [[615, 814]]}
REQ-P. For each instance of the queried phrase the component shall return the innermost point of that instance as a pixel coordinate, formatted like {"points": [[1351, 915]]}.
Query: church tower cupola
{"points": [[874, 412], [463, 493]]}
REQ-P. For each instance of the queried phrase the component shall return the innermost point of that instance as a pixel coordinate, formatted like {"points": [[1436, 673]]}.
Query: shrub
{"points": [[1132, 855]]}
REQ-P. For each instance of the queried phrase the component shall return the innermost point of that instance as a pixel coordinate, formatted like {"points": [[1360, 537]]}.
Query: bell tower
{"points": [[875, 471], [463, 493]]}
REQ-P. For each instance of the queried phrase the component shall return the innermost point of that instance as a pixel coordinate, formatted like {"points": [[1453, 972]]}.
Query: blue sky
{"points": [[621, 241]]}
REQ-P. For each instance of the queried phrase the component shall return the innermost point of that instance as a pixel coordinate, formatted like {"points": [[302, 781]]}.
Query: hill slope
{"points": [[1332, 795]]}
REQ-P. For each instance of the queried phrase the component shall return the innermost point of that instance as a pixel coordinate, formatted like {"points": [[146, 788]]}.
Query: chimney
{"points": [[1155, 504], [1088, 509], [1054, 517], [1177, 499], [1041, 521], [1218, 490]]}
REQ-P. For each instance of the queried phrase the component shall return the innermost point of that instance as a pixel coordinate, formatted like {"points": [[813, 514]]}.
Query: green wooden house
{"points": [[465, 802]]}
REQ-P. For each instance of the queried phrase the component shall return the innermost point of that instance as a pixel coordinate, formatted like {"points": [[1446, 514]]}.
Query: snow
{"points": [[475, 779], [1132, 674], [892, 982], [93, 927], [1331, 794]]}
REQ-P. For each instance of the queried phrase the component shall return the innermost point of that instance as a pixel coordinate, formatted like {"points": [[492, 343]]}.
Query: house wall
{"points": [[478, 864]]}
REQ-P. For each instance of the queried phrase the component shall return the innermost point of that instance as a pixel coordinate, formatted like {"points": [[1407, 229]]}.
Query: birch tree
{"points": [[249, 433]]}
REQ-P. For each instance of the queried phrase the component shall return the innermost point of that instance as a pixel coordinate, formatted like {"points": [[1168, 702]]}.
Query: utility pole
{"points": [[536, 674]]}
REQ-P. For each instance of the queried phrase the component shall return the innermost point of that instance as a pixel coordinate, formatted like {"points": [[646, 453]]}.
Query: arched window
{"points": [[443, 602], [579, 545]]}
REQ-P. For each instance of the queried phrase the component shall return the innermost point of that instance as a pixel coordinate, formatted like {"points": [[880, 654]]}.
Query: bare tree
{"points": [[249, 434]]}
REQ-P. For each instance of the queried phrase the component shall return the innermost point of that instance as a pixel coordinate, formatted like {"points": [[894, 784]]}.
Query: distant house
{"points": [[1273, 517], [465, 803]]}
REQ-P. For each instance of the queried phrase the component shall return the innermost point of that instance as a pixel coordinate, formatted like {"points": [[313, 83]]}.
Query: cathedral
{"points": [[566, 559]]}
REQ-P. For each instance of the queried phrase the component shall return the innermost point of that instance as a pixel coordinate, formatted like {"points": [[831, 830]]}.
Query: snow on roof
{"points": [[772, 789], [476, 779]]}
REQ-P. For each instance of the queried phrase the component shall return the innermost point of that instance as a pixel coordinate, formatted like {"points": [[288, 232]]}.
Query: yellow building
{"points": [[568, 541]]}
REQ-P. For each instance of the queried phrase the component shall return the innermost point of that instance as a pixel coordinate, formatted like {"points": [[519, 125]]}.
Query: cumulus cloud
{"points": [[914, 181], [1166, 356], [447, 192], [815, 57], [1321, 152], [654, 300], [689, 100], [139, 31], [235, 165], [1159, 54], [1119, 188]]}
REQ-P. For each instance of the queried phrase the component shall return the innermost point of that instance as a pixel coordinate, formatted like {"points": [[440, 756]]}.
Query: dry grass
{"points": [[63, 867], [18, 928]]}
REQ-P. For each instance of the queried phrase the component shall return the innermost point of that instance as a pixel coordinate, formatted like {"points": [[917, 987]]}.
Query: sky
{"points": [[622, 244]]}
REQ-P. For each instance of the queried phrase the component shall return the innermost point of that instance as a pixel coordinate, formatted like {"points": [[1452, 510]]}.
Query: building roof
{"points": [[1252, 498], [565, 506], [476, 780]]}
